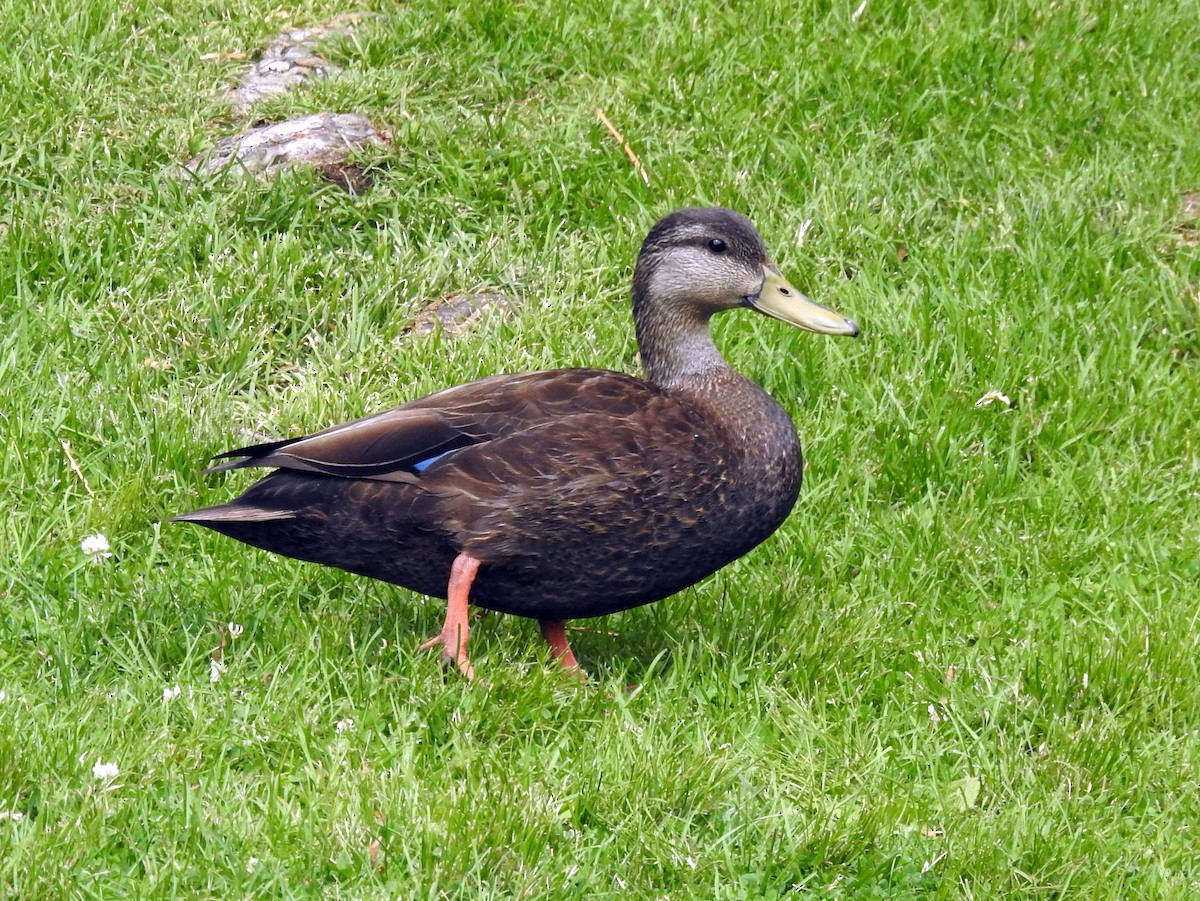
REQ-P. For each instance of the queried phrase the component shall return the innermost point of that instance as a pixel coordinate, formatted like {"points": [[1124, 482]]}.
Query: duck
{"points": [[561, 494]]}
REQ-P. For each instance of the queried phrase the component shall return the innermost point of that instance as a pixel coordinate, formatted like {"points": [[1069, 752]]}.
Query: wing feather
{"points": [[409, 441]]}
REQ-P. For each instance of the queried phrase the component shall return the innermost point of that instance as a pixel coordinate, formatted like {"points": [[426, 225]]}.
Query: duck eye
{"points": [[716, 245]]}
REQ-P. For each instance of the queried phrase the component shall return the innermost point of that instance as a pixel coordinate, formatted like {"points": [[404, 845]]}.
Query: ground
{"points": [[965, 667]]}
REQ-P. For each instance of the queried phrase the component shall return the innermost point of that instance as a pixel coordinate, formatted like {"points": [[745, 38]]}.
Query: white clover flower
{"points": [[170, 694], [346, 725], [96, 546], [234, 630], [215, 669], [105, 771]]}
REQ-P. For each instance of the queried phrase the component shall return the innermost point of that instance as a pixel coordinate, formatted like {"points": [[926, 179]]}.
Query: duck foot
{"points": [[555, 633], [453, 637]]}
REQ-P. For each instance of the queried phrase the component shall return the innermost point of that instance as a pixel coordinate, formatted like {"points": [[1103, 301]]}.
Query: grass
{"points": [[965, 667]]}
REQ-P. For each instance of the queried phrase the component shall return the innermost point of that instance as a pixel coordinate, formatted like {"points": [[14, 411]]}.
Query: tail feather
{"points": [[233, 513]]}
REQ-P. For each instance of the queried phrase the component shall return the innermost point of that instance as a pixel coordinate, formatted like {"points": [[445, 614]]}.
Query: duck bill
{"points": [[779, 300]]}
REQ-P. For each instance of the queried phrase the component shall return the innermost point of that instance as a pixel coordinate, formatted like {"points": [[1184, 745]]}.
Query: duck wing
{"points": [[401, 443]]}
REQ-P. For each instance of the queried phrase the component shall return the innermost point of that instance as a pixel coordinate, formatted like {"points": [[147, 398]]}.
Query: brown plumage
{"points": [[560, 494]]}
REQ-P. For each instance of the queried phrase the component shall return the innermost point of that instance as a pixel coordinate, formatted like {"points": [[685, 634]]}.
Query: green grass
{"points": [[967, 666]]}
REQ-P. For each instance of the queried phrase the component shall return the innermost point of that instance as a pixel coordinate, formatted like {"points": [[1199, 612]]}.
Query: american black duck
{"points": [[561, 494]]}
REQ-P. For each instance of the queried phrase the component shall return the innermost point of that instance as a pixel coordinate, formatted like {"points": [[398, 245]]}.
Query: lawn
{"points": [[968, 664]]}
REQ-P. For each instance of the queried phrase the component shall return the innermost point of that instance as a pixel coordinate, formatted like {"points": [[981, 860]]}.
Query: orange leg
{"points": [[453, 637], [555, 633]]}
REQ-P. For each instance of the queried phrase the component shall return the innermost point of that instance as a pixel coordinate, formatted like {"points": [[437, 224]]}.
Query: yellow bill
{"points": [[779, 300]]}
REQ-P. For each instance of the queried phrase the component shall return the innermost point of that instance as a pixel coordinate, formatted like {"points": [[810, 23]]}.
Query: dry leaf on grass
{"points": [[993, 397]]}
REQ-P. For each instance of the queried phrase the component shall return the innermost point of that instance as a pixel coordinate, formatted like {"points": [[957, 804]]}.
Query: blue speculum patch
{"points": [[425, 464]]}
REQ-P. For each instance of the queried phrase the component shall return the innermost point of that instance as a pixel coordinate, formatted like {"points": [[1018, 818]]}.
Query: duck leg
{"points": [[555, 633], [453, 637]]}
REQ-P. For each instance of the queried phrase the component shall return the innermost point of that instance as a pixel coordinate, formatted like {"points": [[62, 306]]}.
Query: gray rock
{"points": [[455, 313], [290, 60], [324, 140]]}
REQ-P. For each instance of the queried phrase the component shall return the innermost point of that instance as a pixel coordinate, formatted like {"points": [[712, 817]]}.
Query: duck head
{"points": [[699, 261]]}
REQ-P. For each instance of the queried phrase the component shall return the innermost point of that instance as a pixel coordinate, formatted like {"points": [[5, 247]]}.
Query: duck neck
{"points": [[675, 344]]}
